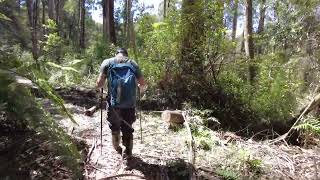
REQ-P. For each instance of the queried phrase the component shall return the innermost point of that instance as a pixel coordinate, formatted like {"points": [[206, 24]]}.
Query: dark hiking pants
{"points": [[116, 117]]}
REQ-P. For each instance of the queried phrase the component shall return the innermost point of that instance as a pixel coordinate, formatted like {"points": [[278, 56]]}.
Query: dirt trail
{"points": [[161, 155]]}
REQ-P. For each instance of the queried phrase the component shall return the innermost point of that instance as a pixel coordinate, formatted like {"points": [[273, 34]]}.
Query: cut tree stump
{"points": [[172, 117]]}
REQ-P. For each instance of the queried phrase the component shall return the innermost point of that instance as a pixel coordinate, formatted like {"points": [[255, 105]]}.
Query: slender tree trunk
{"points": [[261, 23], [57, 4], [248, 43], [129, 23], [43, 22], [109, 32], [51, 9], [125, 27], [242, 42], [33, 14], [235, 19], [113, 37], [82, 24], [19, 6], [262, 17], [164, 8]]}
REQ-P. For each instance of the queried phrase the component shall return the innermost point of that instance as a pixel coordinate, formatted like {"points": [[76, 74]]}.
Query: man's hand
{"points": [[101, 81]]}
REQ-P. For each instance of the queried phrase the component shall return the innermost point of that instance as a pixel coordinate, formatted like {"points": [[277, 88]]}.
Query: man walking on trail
{"points": [[123, 76]]}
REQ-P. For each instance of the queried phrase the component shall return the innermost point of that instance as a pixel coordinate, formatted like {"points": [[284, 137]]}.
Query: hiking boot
{"points": [[127, 162], [116, 142], [127, 153], [128, 143]]}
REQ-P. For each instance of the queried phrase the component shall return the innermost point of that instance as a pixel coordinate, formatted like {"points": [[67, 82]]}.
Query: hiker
{"points": [[123, 76]]}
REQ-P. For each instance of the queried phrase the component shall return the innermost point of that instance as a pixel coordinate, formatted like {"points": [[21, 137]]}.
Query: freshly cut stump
{"points": [[172, 117]]}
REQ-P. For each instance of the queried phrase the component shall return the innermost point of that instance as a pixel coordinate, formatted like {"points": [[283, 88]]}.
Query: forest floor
{"points": [[163, 152]]}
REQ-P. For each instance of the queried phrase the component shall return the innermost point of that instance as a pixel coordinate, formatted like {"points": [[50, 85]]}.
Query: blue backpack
{"points": [[122, 84]]}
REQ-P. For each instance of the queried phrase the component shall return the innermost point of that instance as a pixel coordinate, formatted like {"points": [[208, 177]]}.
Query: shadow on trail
{"points": [[176, 169]]}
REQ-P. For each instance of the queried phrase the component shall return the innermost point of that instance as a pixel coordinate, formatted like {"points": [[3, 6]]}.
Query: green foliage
{"points": [[276, 95], [228, 174], [159, 46], [309, 125], [273, 95], [20, 103], [53, 45]]}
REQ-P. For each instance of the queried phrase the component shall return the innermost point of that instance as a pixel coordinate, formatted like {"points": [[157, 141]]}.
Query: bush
{"points": [[272, 96]]}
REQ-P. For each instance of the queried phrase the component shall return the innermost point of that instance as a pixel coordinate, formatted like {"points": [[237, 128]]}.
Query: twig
{"points": [[94, 142], [122, 175], [98, 169]]}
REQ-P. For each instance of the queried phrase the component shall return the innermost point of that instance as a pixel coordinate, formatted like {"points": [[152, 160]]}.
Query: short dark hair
{"points": [[122, 51]]}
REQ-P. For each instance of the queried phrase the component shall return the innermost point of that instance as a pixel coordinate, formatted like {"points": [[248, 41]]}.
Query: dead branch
{"points": [[91, 111], [122, 175], [192, 157], [93, 146], [312, 105]]}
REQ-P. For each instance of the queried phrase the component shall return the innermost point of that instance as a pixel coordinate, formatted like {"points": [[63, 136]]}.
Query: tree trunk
{"points": [[164, 8], [191, 61], [57, 9], [33, 14], [235, 19], [109, 32], [19, 6], [82, 23], [261, 23], [129, 19], [43, 22], [51, 8], [248, 43], [262, 17]]}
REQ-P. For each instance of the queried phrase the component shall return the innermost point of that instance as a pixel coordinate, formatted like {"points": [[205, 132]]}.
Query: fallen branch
{"points": [[122, 175], [91, 111], [93, 146], [192, 157], [313, 104]]}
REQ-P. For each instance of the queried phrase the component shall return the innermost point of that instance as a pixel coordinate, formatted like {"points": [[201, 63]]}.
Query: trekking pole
{"points": [[140, 115], [101, 104]]}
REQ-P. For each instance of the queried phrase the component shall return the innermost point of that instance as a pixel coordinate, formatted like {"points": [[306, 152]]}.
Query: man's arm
{"points": [[101, 80], [141, 84]]}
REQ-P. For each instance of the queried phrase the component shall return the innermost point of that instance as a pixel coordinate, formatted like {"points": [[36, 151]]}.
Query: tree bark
{"points": [[33, 14], [51, 8], [164, 8], [235, 19], [262, 17], [248, 43], [248, 30], [109, 32], [261, 23], [191, 61], [19, 6], [82, 24], [129, 21]]}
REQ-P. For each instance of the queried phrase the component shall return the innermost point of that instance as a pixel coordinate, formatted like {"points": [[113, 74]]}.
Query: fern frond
{"points": [[64, 68], [312, 125]]}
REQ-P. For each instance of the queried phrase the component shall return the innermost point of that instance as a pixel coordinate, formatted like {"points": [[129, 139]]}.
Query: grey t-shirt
{"points": [[106, 63]]}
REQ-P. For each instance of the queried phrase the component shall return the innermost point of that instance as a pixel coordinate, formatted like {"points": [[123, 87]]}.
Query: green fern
{"points": [[17, 100], [311, 125]]}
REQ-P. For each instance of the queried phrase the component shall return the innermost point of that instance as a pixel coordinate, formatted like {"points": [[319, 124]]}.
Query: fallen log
{"points": [[173, 117], [91, 111]]}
